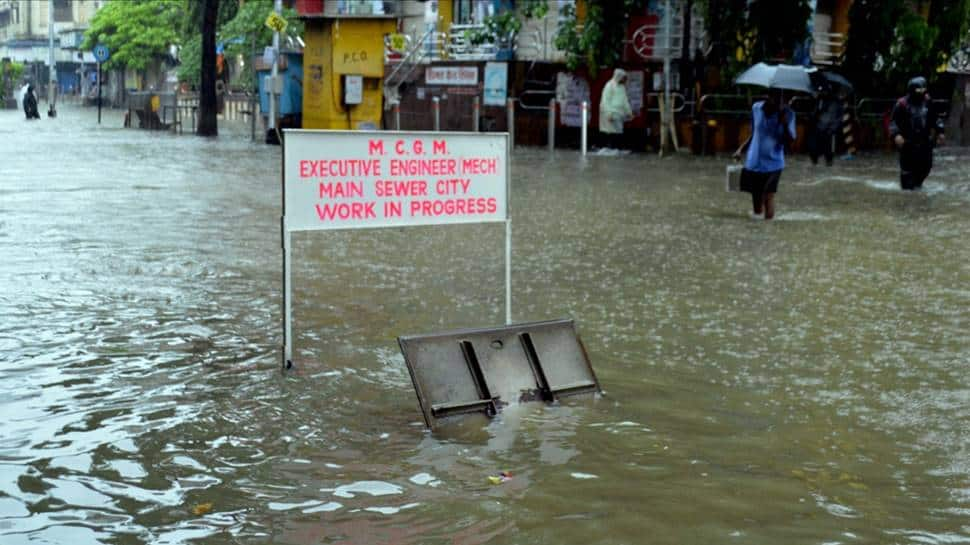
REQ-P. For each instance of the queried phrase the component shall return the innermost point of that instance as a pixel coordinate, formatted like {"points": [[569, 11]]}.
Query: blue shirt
{"points": [[766, 153]]}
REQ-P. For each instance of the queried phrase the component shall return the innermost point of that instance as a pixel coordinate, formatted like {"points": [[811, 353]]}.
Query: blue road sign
{"points": [[101, 53]]}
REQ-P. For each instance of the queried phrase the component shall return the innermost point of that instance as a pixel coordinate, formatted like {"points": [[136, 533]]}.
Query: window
{"points": [[473, 12], [62, 11]]}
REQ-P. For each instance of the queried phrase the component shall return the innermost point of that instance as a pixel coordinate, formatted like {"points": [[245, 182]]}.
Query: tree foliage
{"points": [[744, 33], [10, 75], [778, 28], [598, 40], [136, 32], [243, 34], [889, 42], [247, 31]]}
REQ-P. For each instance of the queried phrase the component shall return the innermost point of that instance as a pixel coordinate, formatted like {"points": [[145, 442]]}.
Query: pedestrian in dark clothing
{"points": [[30, 104], [827, 119], [915, 130], [772, 128]]}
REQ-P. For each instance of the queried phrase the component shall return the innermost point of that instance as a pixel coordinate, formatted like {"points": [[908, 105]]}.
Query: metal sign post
{"points": [[101, 54], [99, 93], [278, 24], [374, 179], [52, 73]]}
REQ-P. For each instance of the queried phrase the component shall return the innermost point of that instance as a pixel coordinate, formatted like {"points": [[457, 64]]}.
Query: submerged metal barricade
{"points": [[151, 110], [478, 371]]}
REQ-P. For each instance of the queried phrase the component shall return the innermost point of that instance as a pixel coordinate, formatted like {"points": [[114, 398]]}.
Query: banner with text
{"points": [[347, 180]]}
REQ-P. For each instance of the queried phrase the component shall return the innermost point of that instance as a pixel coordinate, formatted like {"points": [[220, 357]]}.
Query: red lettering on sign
{"points": [[453, 207], [354, 210], [479, 166], [338, 190], [340, 168], [452, 187], [375, 146], [401, 188]]}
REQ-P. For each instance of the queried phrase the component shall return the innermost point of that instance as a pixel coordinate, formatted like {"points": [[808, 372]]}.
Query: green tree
{"points": [[137, 32], [744, 33], [890, 41], [240, 35], [952, 18], [598, 42], [10, 74], [248, 29], [777, 26], [727, 26]]}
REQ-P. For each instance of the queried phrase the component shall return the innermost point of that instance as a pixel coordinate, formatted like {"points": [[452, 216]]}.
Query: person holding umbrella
{"points": [[772, 128], [831, 90]]}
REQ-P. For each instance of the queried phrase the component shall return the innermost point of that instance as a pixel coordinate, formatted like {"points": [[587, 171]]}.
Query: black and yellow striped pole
{"points": [[847, 128]]}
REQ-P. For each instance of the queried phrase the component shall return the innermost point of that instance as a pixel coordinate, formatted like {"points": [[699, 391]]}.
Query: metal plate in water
{"points": [[479, 370]]}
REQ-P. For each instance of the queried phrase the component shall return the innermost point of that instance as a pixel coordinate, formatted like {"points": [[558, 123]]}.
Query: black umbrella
{"points": [[824, 78]]}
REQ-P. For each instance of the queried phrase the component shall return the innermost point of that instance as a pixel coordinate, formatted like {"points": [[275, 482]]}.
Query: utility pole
{"points": [[52, 79], [667, 108], [272, 136]]}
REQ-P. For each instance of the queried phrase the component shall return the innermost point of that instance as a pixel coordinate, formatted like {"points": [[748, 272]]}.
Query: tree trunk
{"points": [[207, 86]]}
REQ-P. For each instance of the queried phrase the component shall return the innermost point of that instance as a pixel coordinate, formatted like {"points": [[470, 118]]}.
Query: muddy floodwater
{"points": [[802, 381]]}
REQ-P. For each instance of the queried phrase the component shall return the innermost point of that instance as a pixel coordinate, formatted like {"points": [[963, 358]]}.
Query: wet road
{"points": [[802, 381]]}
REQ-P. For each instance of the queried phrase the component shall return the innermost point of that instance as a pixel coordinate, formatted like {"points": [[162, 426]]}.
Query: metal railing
{"points": [[876, 108], [460, 48], [541, 101], [403, 70], [680, 102], [724, 104]]}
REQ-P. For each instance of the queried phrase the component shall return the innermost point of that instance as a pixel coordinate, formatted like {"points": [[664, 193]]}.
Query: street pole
{"points": [[254, 101], [665, 113], [278, 8], [99, 95], [436, 111], [52, 79]]}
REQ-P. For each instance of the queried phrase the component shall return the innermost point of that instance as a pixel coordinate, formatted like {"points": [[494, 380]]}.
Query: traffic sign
{"points": [[399, 42], [101, 53], [275, 22]]}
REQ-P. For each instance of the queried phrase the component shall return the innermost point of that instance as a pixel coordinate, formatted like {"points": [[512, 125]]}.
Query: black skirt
{"points": [[760, 182]]}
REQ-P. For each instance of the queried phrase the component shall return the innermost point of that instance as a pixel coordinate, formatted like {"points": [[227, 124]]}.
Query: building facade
{"points": [[24, 38]]}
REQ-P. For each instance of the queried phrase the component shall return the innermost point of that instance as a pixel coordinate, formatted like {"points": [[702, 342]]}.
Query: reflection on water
{"points": [[798, 381]]}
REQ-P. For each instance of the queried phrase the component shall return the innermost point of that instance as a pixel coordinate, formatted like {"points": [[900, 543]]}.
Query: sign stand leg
{"points": [[99, 93], [287, 302], [508, 272]]}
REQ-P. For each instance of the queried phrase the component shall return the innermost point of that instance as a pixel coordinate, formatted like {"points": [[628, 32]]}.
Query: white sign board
{"points": [[358, 179], [352, 179], [451, 75], [496, 83], [353, 89]]}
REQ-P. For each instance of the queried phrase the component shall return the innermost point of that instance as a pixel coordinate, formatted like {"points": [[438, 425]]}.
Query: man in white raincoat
{"points": [[614, 109]]}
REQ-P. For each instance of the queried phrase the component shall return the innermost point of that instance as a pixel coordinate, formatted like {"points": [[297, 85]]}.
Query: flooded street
{"points": [[802, 381]]}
